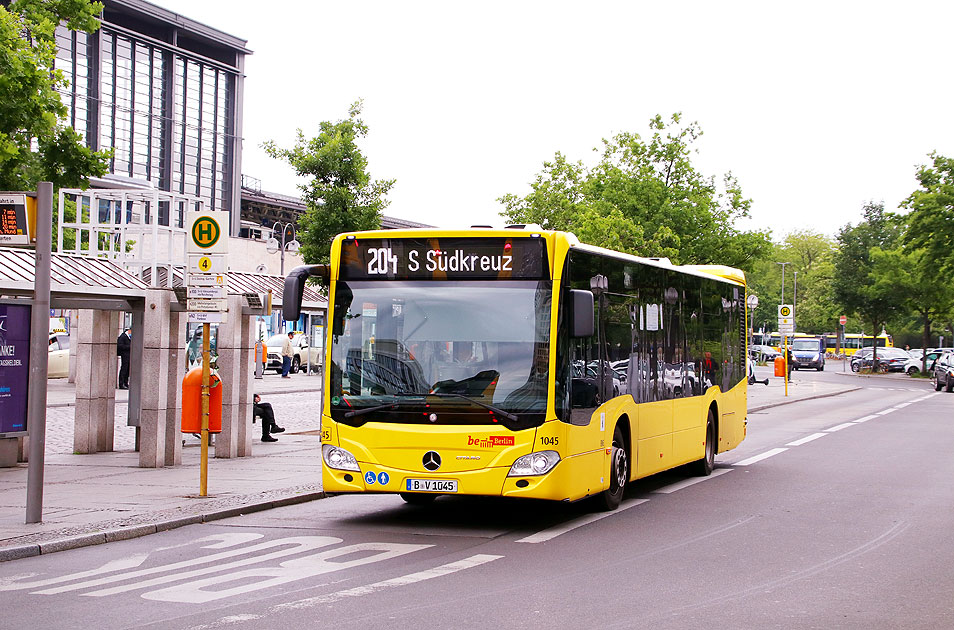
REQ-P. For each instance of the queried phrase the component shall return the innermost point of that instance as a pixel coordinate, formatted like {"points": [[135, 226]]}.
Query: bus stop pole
{"points": [[39, 353], [785, 356]]}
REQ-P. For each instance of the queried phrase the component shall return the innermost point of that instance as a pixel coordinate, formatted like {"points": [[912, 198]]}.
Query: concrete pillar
{"points": [[177, 362], [235, 370], [95, 351], [154, 377]]}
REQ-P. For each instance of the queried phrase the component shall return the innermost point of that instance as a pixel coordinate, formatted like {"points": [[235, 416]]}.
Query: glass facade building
{"points": [[165, 93]]}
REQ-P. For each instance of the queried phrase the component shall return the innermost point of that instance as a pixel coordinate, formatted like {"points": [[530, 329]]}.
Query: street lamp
{"points": [[282, 243]]}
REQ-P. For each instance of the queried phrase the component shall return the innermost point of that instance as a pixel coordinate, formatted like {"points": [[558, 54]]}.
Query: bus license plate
{"points": [[431, 485]]}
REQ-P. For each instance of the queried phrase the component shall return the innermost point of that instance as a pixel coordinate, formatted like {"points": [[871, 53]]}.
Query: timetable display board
{"points": [[14, 226]]}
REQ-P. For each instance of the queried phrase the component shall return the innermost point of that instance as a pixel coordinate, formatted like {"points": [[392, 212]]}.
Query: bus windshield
{"points": [[469, 343]]}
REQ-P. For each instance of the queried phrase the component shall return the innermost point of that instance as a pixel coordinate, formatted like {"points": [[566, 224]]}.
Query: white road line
{"points": [[902, 405], [839, 427], [807, 439], [758, 458], [404, 580], [685, 483], [883, 412], [865, 419], [553, 532]]}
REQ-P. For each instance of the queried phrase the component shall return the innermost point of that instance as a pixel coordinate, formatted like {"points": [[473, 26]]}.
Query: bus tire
{"points": [[418, 498], [609, 499], [704, 466]]}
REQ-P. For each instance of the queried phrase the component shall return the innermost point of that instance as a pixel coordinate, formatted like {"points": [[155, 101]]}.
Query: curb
{"points": [[135, 531], [815, 397]]}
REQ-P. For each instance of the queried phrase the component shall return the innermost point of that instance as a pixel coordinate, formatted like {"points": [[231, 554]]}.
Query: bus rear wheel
{"points": [[610, 498], [704, 466], [418, 498]]}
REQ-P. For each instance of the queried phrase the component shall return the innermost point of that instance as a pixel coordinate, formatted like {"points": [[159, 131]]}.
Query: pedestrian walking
{"points": [[123, 346], [287, 354]]}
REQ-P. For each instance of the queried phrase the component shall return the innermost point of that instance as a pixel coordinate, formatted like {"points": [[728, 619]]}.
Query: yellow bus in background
{"points": [[520, 362], [853, 342]]}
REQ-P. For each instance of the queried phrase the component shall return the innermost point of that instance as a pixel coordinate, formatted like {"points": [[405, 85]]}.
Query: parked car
{"points": [[301, 349], [889, 360], [763, 353], [944, 372], [913, 366], [59, 357]]}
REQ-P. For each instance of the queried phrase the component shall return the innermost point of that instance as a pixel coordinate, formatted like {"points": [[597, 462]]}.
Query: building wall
{"points": [[169, 113]]}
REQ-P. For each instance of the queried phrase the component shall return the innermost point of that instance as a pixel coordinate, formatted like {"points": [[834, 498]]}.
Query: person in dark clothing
{"points": [[123, 345], [267, 414]]}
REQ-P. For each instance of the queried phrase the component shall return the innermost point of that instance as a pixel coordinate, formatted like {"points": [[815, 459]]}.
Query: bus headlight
{"points": [[539, 463], [338, 458]]}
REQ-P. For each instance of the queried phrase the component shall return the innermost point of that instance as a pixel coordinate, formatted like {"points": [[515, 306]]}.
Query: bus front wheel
{"points": [[610, 498], [704, 466]]}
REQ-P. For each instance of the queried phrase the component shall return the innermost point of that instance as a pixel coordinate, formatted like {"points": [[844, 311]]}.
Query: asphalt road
{"points": [[834, 513]]}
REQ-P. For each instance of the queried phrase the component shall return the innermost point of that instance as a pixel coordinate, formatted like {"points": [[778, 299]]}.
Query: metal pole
{"points": [[795, 297], [39, 356], [204, 455]]}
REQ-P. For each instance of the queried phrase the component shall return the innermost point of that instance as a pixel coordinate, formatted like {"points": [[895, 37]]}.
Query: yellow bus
{"points": [[855, 341], [520, 362]]}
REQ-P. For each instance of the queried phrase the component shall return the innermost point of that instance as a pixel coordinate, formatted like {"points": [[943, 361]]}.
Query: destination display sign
{"points": [[444, 259]]}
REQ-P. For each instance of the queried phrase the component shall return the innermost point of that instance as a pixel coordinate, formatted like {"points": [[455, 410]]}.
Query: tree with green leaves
{"points": [[860, 271], [811, 255], [911, 277], [644, 197], [36, 144], [931, 221], [341, 196]]}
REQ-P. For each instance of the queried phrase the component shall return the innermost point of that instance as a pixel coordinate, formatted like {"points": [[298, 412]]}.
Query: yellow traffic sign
{"points": [[785, 310]]}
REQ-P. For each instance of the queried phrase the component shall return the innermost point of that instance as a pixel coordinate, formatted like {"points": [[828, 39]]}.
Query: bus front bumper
{"points": [[560, 484]]}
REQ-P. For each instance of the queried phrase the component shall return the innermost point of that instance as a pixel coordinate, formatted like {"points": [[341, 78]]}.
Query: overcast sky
{"points": [[815, 107]]}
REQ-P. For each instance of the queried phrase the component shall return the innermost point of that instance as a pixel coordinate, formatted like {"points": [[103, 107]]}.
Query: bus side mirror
{"points": [[580, 308], [295, 288]]}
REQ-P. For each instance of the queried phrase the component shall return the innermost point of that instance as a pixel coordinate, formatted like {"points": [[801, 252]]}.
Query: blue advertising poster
{"points": [[14, 366]]}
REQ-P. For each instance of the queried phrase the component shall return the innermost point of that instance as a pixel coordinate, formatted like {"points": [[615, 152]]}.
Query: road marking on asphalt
{"points": [[884, 412], [758, 458], [807, 439], [839, 427], [685, 483], [902, 405], [865, 419], [553, 532], [404, 580], [358, 591]]}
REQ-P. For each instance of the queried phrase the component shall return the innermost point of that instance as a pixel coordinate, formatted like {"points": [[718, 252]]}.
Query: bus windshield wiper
{"points": [[497, 410], [361, 412]]}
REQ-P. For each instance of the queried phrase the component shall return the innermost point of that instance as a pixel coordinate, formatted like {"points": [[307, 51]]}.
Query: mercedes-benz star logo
{"points": [[432, 460]]}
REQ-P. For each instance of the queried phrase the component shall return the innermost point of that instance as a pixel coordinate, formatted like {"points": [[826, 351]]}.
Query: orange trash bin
{"points": [[780, 366], [192, 402]]}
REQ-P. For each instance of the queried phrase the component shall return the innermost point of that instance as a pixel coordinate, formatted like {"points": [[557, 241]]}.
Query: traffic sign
{"points": [[207, 318], [207, 263], [785, 310], [842, 320], [206, 280], [208, 232], [207, 305], [207, 293]]}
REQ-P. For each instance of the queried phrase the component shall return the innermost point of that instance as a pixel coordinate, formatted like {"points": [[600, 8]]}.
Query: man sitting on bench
{"points": [[265, 412]]}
